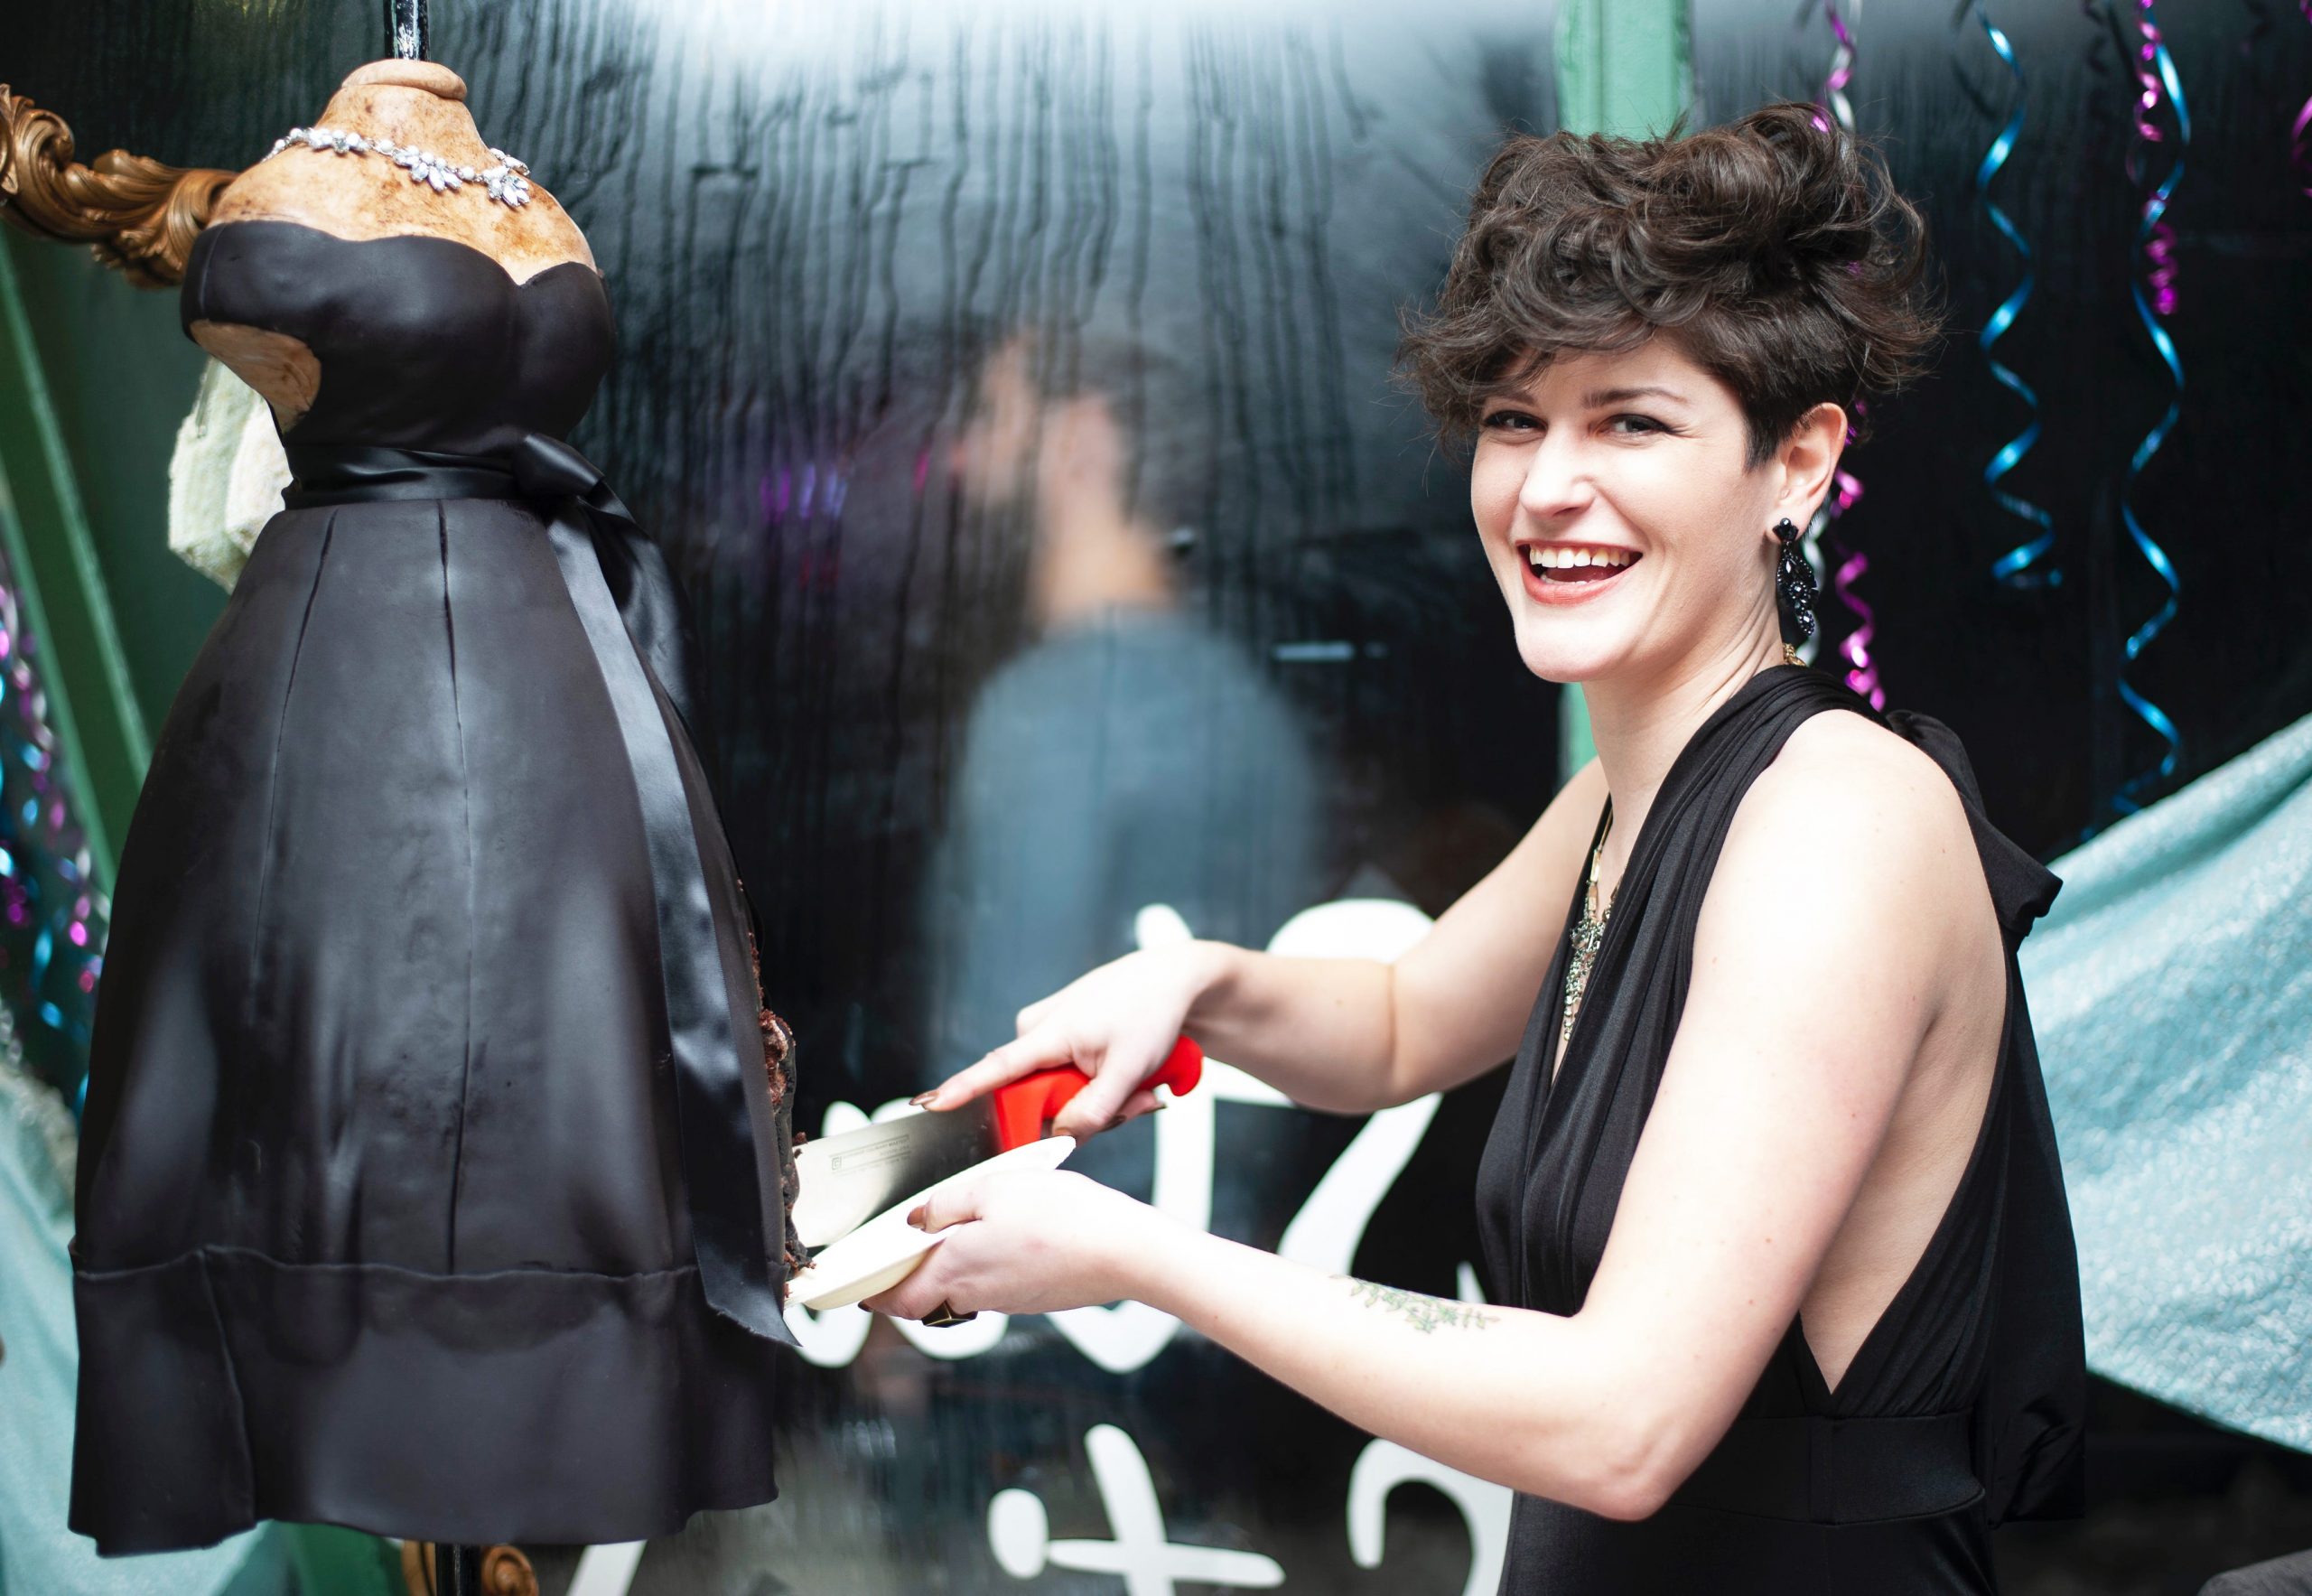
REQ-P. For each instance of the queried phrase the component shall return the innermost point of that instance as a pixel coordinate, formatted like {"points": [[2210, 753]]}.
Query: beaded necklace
{"points": [[507, 182], [1588, 934]]}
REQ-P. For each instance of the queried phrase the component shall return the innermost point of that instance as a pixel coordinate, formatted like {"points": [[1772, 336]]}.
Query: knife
{"points": [[844, 1180]]}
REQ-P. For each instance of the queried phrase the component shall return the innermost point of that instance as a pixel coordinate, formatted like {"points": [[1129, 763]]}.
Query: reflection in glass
{"points": [[1126, 757]]}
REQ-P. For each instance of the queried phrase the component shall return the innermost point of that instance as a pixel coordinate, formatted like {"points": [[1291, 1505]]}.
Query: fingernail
{"points": [[923, 1099], [917, 1214]]}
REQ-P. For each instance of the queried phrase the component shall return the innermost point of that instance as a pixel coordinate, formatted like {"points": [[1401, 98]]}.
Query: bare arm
{"points": [[1774, 1103], [1350, 1035]]}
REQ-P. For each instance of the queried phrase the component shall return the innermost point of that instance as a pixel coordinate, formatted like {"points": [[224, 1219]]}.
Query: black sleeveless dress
{"points": [[434, 1169], [1965, 1405]]}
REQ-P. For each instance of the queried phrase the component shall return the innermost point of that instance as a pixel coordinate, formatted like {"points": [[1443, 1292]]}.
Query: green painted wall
{"points": [[121, 376], [1624, 66]]}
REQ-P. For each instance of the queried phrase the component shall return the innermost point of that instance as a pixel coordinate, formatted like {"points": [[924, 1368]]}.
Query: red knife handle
{"points": [[1025, 1108]]}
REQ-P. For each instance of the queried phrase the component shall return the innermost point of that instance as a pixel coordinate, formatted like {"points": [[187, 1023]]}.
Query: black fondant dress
{"points": [[1963, 1406], [432, 1176]]}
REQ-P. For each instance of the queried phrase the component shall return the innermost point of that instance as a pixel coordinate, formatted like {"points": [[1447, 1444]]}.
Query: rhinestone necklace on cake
{"points": [[1588, 934], [507, 182]]}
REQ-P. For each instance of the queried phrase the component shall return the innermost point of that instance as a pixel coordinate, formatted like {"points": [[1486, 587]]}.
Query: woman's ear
{"points": [[1809, 459]]}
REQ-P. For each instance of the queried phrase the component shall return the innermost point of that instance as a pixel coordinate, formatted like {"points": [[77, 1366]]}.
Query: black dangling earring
{"points": [[1793, 590]]}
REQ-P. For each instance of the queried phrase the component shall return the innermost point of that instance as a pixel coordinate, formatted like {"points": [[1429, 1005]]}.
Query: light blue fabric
{"points": [[2172, 991], [39, 1556]]}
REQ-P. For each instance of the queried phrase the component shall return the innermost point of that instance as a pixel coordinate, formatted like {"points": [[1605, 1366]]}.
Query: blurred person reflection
{"points": [[1126, 756]]}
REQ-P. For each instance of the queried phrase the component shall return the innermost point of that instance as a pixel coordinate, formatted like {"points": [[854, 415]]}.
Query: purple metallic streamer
{"points": [[1850, 564], [1862, 670], [2158, 237], [2300, 136], [45, 854], [1832, 99], [2155, 300]]}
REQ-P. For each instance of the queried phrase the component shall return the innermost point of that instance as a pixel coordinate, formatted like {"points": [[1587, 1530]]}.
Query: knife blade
{"points": [[844, 1180]]}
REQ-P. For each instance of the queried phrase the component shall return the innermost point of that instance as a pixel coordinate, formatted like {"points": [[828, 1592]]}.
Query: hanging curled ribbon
{"points": [[2154, 292], [2300, 134], [2015, 567], [1850, 564], [1832, 102], [1862, 671]]}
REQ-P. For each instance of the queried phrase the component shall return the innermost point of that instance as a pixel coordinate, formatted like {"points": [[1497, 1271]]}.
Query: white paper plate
{"points": [[886, 1249]]}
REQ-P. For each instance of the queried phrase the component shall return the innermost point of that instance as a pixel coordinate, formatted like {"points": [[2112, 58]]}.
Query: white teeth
{"points": [[1551, 556]]}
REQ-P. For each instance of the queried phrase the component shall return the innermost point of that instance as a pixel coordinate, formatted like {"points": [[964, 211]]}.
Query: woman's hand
{"points": [[1028, 1242], [1117, 1025]]}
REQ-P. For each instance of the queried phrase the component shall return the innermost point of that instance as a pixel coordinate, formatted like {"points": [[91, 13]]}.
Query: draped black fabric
{"points": [[431, 1176], [1963, 1406]]}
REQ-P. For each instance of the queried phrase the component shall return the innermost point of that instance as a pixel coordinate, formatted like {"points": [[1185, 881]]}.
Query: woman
{"points": [[1790, 1302]]}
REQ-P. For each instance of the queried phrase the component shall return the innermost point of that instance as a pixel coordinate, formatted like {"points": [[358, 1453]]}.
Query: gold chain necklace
{"points": [[1588, 935]]}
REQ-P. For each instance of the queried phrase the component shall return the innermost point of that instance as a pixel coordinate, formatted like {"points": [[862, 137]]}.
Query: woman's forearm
{"points": [[1533, 1401], [1322, 1030]]}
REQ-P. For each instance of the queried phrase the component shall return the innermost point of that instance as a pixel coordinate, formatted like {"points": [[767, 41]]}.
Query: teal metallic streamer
{"points": [[2016, 567], [2156, 74]]}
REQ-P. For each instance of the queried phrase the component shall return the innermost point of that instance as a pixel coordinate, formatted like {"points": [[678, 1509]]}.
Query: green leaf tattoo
{"points": [[1423, 1314]]}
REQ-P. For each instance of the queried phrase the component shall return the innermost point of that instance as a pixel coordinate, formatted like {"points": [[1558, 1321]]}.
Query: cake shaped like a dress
{"points": [[433, 1174]]}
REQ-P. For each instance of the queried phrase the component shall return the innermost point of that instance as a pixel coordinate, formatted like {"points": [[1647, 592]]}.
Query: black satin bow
{"points": [[539, 468]]}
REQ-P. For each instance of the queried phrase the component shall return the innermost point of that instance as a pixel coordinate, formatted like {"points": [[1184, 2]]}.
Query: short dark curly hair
{"points": [[1777, 252]]}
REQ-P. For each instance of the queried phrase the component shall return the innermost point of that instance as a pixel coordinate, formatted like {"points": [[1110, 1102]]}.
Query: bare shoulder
{"points": [[1852, 847], [330, 195], [1843, 779], [266, 192], [1865, 817], [368, 198]]}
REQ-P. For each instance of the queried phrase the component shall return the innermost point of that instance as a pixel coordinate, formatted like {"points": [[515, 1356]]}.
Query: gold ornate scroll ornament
{"points": [[133, 211]]}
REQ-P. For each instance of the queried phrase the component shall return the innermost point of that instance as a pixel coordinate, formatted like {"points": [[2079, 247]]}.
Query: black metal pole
{"points": [[457, 1570], [406, 28]]}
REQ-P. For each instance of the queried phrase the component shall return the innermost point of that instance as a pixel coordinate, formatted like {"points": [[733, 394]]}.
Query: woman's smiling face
{"points": [[1618, 509]]}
